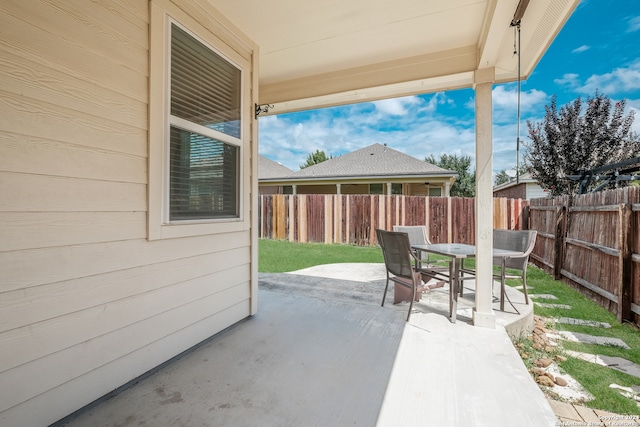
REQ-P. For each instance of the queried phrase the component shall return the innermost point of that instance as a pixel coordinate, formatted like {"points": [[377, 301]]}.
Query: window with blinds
{"points": [[205, 132]]}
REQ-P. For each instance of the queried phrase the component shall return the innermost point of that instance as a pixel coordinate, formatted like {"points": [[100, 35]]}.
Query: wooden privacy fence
{"points": [[353, 219], [592, 243]]}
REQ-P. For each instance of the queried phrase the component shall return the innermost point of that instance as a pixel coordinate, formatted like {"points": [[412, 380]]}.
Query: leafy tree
{"points": [[501, 178], [315, 158], [465, 185], [566, 142]]}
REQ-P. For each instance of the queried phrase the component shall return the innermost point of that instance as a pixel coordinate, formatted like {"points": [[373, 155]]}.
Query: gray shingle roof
{"points": [[374, 160], [268, 169], [524, 178]]}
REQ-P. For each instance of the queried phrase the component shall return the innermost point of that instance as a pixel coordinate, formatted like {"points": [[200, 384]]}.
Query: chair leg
{"points": [[461, 283], [524, 288], [384, 295], [411, 303]]}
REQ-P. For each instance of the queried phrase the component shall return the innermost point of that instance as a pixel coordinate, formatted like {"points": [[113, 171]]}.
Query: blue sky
{"points": [[598, 49]]}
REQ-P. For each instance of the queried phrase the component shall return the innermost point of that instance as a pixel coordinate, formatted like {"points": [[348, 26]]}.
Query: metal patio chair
{"points": [[401, 265], [417, 236], [517, 240]]}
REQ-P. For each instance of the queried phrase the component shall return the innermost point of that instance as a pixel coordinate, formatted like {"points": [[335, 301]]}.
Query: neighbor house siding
{"points": [[87, 301], [534, 191]]}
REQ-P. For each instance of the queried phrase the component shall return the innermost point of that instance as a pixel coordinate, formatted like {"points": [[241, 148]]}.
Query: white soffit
{"points": [[315, 54]]}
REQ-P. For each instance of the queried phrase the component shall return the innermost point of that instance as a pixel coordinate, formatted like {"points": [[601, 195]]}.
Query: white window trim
{"points": [[159, 227]]}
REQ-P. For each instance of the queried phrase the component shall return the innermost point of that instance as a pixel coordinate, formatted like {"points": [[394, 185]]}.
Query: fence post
{"points": [[523, 219], [561, 224], [624, 263]]}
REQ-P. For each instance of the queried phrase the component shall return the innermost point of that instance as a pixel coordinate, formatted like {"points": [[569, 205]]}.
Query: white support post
{"points": [[483, 314], [338, 189]]}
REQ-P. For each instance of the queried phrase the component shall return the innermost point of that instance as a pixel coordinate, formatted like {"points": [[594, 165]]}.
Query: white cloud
{"points": [[634, 24], [439, 98], [507, 97], [622, 79], [397, 106], [570, 80], [580, 49], [505, 103]]}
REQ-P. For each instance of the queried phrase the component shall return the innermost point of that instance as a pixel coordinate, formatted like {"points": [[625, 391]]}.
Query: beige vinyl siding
{"points": [[87, 302], [534, 191]]}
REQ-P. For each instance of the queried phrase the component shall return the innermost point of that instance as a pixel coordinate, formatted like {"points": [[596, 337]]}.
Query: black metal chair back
{"points": [[399, 262]]}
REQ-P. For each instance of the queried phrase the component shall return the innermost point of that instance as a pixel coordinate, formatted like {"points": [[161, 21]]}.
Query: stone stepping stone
{"points": [[592, 339], [572, 321], [617, 363], [622, 365], [587, 357], [559, 306], [552, 336], [543, 296]]}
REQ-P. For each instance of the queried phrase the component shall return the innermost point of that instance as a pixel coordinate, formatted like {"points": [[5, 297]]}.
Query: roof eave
{"points": [[404, 177]]}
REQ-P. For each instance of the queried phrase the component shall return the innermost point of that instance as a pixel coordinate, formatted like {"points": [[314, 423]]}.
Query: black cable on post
{"points": [[518, 120], [515, 22]]}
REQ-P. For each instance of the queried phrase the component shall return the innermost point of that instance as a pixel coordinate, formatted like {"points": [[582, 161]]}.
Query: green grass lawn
{"points": [[279, 256], [282, 256], [596, 379]]}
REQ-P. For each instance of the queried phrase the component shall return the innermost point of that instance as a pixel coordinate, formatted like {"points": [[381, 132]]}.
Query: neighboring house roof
{"points": [[268, 169], [524, 178], [373, 161]]}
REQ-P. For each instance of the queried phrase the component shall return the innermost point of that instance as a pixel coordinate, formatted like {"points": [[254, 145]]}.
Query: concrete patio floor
{"points": [[321, 351]]}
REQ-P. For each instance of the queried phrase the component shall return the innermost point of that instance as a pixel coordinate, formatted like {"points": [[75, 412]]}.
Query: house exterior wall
{"points": [[534, 191], [271, 189], [420, 189], [518, 191], [316, 189], [354, 189], [408, 189], [523, 190], [88, 300]]}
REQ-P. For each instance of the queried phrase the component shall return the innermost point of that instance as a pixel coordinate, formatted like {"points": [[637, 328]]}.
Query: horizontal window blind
{"points": [[205, 88], [203, 177]]}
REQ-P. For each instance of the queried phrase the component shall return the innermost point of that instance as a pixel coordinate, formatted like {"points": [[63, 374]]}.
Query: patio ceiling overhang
{"points": [[319, 54]]}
